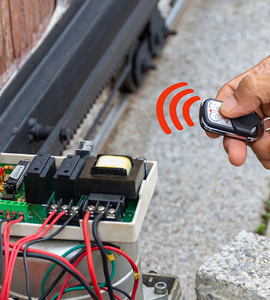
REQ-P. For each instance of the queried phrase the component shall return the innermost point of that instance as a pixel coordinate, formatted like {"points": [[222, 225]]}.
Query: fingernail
{"points": [[229, 104]]}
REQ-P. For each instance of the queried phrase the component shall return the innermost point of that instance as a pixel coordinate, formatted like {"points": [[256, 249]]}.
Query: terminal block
{"points": [[112, 206], [13, 208], [69, 209], [38, 179]]}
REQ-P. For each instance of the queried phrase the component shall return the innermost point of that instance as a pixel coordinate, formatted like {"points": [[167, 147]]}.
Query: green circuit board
{"points": [[36, 213]]}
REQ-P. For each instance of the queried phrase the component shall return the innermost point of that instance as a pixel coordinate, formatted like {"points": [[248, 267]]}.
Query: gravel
{"points": [[201, 201]]}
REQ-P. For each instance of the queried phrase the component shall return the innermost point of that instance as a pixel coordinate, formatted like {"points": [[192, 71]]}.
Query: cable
{"points": [[114, 295], [16, 249], [78, 287], [6, 235], [76, 264], [1, 243], [38, 241], [50, 288], [89, 254], [123, 292], [103, 255], [68, 269], [52, 255], [134, 266], [77, 255]]}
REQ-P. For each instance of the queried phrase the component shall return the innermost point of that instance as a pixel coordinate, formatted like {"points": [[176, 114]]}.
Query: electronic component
{"points": [[112, 165], [66, 179], [15, 179], [111, 184], [10, 197], [122, 221], [38, 179], [111, 205], [69, 209], [14, 208], [248, 128]]}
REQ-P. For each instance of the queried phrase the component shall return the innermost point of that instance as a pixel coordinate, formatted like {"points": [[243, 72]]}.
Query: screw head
{"points": [[54, 207], [111, 211], [91, 208], [101, 209]]}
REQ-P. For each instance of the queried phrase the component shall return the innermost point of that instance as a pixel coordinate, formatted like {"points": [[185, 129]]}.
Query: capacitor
{"points": [[2, 171]]}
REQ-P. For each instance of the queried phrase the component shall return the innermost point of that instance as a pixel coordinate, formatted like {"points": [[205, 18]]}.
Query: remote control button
{"points": [[214, 117], [214, 105], [224, 121]]}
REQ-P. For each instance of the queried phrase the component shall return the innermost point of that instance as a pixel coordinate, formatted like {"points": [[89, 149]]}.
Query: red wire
{"points": [[64, 260], [21, 242], [106, 290], [69, 275], [14, 254], [6, 234], [19, 246], [89, 255], [134, 266]]}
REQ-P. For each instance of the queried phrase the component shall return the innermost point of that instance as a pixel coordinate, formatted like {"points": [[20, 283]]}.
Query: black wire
{"points": [[114, 288], [123, 292], [1, 242], [50, 288], [27, 278], [68, 269], [74, 258], [103, 255]]}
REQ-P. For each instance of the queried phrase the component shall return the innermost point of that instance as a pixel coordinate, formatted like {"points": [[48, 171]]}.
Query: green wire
{"points": [[74, 288], [54, 265]]}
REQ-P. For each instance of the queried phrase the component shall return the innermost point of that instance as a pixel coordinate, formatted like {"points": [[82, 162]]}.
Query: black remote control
{"points": [[248, 128]]}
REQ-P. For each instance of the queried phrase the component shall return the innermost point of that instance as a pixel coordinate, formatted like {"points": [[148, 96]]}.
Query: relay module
{"points": [[33, 186]]}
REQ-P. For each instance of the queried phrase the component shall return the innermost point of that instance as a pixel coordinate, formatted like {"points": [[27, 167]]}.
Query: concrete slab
{"points": [[239, 272]]}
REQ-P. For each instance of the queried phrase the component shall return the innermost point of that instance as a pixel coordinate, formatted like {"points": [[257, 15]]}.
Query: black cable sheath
{"points": [[68, 269], [27, 278], [123, 292], [61, 274], [103, 255], [1, 243]]}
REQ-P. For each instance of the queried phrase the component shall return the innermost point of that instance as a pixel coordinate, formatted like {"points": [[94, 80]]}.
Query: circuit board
{"points": [[36, 213], [124, 228]]}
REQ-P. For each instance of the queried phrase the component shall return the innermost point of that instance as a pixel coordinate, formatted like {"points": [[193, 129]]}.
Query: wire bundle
{"points": [[22, 248]]}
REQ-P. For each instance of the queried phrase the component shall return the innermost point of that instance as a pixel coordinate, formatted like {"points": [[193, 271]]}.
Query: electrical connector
{"points": [[13, 208], [112, 206], [69, 209]]}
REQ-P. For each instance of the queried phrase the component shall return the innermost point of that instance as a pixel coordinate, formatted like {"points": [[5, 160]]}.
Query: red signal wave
{"points": [[173, 106]]}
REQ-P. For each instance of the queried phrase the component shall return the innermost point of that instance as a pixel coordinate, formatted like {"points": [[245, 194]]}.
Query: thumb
{"points": [[252, 91]]}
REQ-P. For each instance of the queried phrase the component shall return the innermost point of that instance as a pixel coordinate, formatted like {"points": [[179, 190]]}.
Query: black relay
{"points": [[38, 180], [66, 179]]}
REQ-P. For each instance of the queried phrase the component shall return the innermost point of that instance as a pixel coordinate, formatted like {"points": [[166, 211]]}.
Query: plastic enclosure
{"points": [[109, 231]]}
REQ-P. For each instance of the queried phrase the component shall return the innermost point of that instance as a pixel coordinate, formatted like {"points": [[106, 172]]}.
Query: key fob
{"points": [[248, 128]]}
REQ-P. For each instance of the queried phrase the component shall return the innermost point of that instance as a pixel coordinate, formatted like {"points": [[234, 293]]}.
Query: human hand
{"points": [[244, 94]]}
